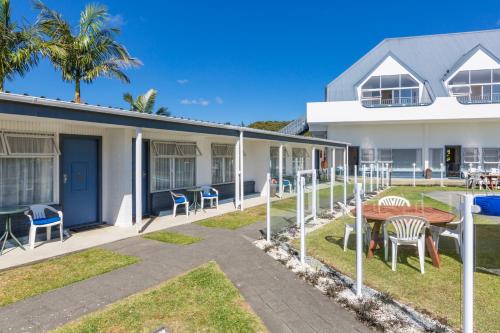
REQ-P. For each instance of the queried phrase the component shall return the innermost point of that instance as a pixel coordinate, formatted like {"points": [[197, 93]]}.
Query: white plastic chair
{"points": [[211, 194], [393, 200], [409, 230], [180, 199], [38, 219], [455, 234], [350, 228]]}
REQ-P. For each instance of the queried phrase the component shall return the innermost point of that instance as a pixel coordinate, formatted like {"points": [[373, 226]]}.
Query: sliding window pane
{"points": [[480, 76], [161, 174], [461, 77], [436, 157], [185, 172], [404, 158], [408, 81], [372, 83], [390, 81]]}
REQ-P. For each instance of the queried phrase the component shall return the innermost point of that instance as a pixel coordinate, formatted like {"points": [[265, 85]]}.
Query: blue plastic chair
{"points": [[209, 193], [179, 199]]}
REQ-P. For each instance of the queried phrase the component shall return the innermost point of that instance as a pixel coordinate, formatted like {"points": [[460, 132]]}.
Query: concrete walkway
{"points": [[284, 302]]}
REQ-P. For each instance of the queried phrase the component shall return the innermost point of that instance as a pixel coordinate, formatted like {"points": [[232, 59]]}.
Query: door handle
{"points": [[65, 178]]}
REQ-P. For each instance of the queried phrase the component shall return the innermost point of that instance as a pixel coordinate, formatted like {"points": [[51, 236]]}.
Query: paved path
{"points": [[284, 302]]}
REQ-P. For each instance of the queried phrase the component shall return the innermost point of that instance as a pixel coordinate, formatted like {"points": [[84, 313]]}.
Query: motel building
{"points": [[98, 164], [432, 101]]}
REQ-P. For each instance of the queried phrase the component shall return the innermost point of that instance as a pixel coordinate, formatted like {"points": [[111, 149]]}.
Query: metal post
{"points": [[355, 174], [280, 171], [364, 178], [332, 180], [345, 176], [468, 266], [359, 239], [314, 193], [377, 175], [414, 173], [441, 171], [268, 211], [371, 177], [302, 224], [298, 189], [242, 183], [237, 174], [138, 179]]}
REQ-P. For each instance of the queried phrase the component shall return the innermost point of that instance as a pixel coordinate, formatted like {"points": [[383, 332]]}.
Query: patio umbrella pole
{"points": [[468, 266]]}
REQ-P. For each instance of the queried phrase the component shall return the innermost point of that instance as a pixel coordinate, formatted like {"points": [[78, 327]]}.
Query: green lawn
{"points": [[27, 281], [438, 291], [172, 237], [203, 300]]}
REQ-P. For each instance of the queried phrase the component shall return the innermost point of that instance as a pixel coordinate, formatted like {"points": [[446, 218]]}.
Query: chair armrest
{"points": [[213, 189], [27, 213], [52, 209]]}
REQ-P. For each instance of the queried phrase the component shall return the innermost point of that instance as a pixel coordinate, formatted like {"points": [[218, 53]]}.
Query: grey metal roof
{"points": [[48, 108], [431, 57]]}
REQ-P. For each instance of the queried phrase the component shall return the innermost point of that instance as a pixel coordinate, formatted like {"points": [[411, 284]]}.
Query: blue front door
{"points": [[80, 180]]}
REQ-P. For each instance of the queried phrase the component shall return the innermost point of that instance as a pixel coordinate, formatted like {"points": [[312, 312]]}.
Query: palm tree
{"points": [[145, 103], [18, 46], [89, 50]]}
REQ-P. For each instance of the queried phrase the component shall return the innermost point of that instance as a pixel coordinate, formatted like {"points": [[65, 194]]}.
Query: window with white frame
{"points": [[481, 85], [222, 163], [299, 156], [384, 155], [390, 89], [491, 158], [27, 167], [368, 155], [436, 158], [471, 156], [173, 165], [401, 159]]}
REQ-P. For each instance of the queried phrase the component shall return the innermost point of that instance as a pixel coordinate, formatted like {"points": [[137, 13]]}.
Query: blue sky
{"points": [[234, 61]]}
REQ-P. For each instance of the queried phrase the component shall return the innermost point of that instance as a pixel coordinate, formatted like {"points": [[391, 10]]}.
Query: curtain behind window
{"points": [[25, 181]]}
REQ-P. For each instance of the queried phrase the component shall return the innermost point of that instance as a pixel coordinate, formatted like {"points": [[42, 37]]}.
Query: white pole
{"points": [[355, 174], [298, 189], [138, 179], [364, 178], [280, 171], [314, 192], [414, 173], [359, 240], [371, 177], [268, 212], [468, 266], [332, 180], [377, 175], [345, 176], [242, 183], [237, 174], [302, 224], [442, 179]]}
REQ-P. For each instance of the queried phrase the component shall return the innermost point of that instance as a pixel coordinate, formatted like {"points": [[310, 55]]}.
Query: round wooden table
{"points": [[379, 214]]}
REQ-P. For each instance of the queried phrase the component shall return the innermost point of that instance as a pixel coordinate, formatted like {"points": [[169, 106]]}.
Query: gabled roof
{"points": [[430, 57], [466, 57]]}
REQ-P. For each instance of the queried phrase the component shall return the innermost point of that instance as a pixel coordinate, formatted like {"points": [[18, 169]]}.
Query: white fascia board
{"points": [[443, 109]]}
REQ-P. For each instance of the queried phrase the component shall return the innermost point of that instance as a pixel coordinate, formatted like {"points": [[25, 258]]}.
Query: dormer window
{"points": [[476, 86], [399, 89]]}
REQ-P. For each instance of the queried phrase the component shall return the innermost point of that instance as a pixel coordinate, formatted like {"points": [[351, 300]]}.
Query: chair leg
{"points": [[394, 255], [187, 208], [217, 203], [202, 203], [32, 237], [346, 237], [457, 245], [61, 232], [49, 233], [421, 253], [175, 209]]}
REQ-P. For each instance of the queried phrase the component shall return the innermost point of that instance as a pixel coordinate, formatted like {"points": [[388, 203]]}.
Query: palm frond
{"points": [[163, 111]]}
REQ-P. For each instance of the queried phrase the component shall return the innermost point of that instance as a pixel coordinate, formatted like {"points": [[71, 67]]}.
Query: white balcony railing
{"points": [[486, 99], [399, 101]]}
